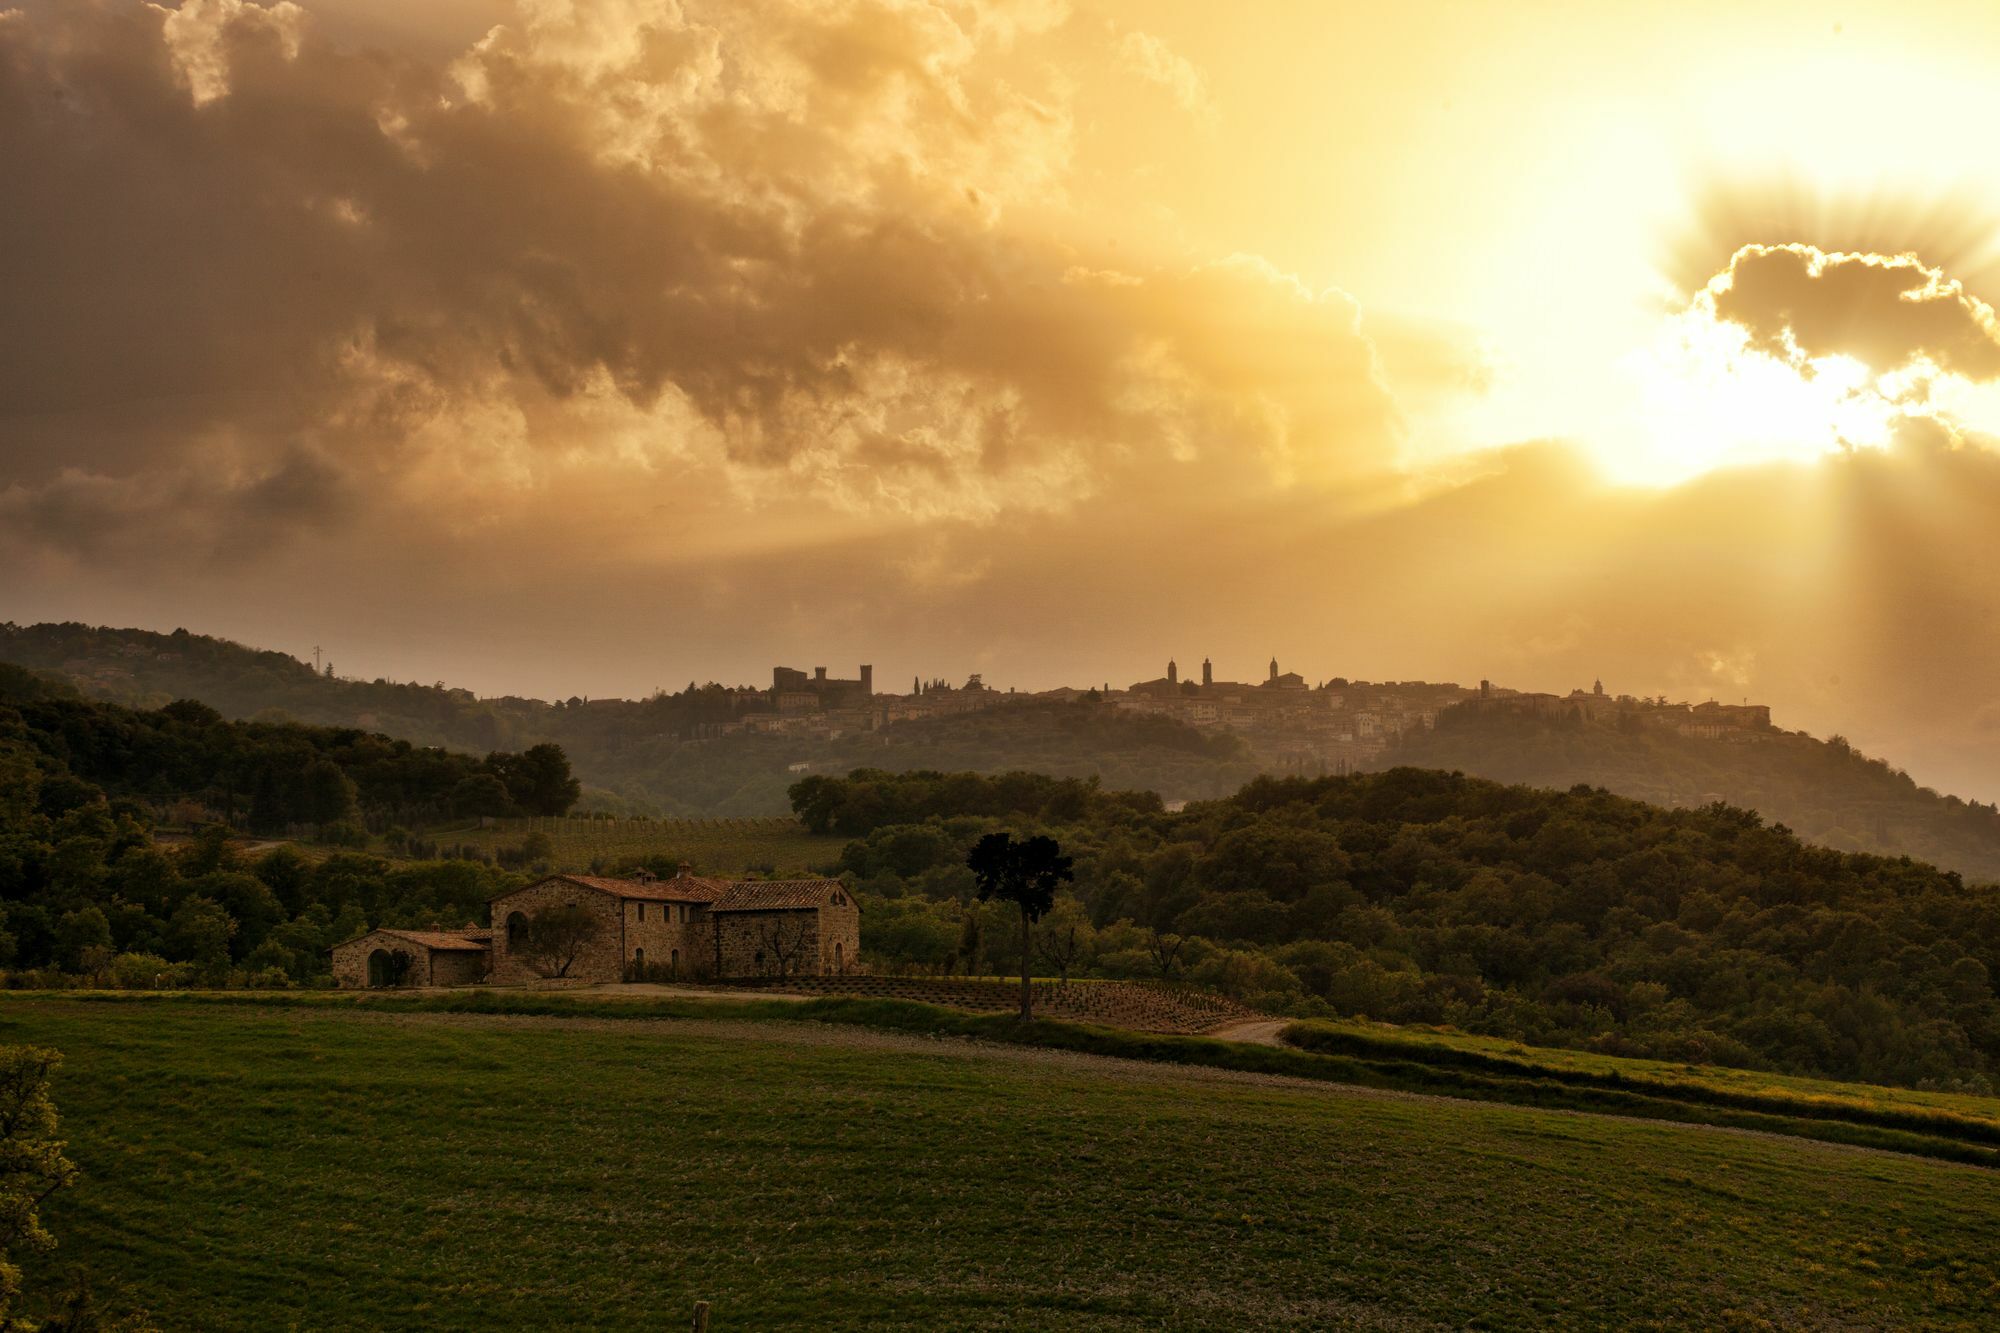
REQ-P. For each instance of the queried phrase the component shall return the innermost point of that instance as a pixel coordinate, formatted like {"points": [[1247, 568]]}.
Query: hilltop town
{"points": [[1335, 725], [1286, 722]]}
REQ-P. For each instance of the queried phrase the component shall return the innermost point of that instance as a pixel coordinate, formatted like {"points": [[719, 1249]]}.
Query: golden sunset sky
{"points": [[556, 347]]}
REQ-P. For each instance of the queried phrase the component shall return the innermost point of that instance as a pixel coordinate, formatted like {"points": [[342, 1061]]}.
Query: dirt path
{"points": [[1257, 1031]]}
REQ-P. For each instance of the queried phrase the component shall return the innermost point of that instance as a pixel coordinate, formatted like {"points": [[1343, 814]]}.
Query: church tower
{"points": [[1173, 673], [1274, 669], [1207, 674]]}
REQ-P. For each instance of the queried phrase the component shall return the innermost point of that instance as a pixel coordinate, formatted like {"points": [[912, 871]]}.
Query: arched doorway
{"points": [[639, 963], [839, 968], [674, 963], [517, 932], [380, 970]]}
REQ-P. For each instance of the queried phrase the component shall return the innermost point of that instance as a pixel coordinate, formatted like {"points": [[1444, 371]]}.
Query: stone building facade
{"points": [[436, 958], [644, 928]]}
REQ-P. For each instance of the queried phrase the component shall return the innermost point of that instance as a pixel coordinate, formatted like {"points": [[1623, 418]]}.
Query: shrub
{"points": [[344, 833], [147, 971]]}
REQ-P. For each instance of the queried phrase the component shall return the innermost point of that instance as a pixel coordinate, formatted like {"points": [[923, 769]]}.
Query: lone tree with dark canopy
{"points": [[557, 937], [1026, 874]]}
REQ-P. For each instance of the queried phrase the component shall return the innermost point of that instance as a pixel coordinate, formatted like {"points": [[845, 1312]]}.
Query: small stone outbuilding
{"points": [[414, 958]]}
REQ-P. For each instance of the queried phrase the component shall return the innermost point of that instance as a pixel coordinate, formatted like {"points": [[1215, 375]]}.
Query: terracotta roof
{"points": [[681, 889], [721, 895], [750, 895], [471, 941]]}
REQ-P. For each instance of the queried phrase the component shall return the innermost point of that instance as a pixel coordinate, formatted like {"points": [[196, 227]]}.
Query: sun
{"points": [[1792, 353], [1710, 399]]}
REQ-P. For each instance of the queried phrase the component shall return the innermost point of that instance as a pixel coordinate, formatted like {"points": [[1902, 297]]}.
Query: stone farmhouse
{"points": [[687, 928]]}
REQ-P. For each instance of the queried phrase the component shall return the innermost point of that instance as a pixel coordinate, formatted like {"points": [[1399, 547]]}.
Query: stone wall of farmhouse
{"points": [[668, 933], [459, 967], [601, 959], [684, 938], [428, 967], [839, 937], [750, 942], [350, 960]]}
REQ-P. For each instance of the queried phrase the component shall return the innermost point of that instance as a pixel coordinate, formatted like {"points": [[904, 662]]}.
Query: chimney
{"points": [[683, 874]]}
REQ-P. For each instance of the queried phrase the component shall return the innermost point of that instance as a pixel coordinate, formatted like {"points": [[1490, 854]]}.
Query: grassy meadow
{"points": [[1977, 1117], [779, 846], [385, 1165]]}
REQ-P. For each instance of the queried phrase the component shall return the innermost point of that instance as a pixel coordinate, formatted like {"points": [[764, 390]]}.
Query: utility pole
{"points": [[315, 659]]}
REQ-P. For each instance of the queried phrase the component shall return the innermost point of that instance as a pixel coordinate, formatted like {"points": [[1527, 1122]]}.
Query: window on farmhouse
{"points": [[642, 911]]}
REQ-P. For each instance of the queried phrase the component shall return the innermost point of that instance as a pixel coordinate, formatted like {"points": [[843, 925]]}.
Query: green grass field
{"points": [[712, 846], [336, 1166], [1978, 1116]]}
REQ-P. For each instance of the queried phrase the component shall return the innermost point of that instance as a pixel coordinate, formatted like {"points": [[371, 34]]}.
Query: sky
{"points": [[583, 348]]}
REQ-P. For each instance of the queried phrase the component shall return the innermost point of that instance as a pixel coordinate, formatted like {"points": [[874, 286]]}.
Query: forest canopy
{"points": [[1573, 917]]}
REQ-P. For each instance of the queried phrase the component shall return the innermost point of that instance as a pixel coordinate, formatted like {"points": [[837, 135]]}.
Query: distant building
{"points": [[823, 691], [1290, 680], [685, 927]]}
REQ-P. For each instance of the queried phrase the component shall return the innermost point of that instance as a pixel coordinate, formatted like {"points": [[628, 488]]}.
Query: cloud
{"points": [[1889, 312], [224, 510], [200, 35], [816, 251], [1150, 58]]}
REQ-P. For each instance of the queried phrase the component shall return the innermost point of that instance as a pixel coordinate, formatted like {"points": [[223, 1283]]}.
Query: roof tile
{"points": [[750, 895]]}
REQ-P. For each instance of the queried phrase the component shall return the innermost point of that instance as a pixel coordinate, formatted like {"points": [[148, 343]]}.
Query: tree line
{"points": [[90, 888], [1574, 918], [266, 776]]}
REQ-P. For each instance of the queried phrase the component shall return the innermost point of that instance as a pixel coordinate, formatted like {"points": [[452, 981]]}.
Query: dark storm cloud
{"points": [[221, 509], [786, 234]]}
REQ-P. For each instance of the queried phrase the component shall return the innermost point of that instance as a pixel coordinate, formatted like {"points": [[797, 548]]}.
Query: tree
{"points": [[1064, 936], [396, 967], [538, 848], [32, 1165], [79, 934], [970, 944], [783, 940], [557, 937], [1024, 873], [1165, 951], [538, 779], [326, 794], [199, 932], [480, 794]]}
